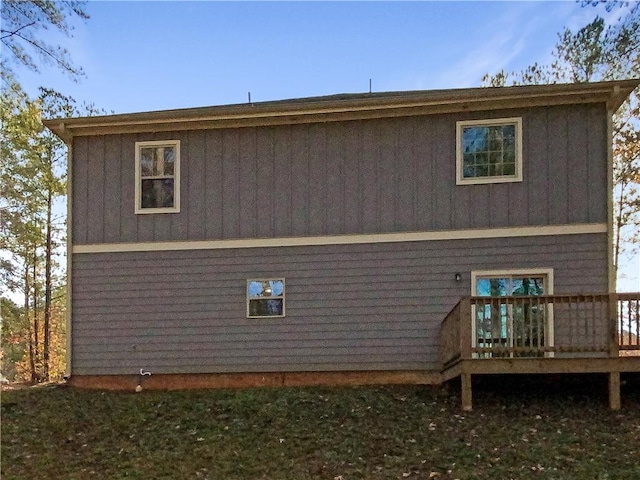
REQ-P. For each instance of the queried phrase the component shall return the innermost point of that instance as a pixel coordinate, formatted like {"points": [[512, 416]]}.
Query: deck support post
{"points": [[614, 390], [467, 398]]}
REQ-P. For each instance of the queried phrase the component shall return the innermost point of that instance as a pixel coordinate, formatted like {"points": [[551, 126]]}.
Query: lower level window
{"points": [[507, 319], [265, 298]]}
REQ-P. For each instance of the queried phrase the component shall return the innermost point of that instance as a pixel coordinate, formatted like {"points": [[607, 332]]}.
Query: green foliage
{"points": [[32, 215], [23, 23], [21, 198], [12, 341], [32, 168], [626, 177], [33, 175], [404, 432], [595, 52]]}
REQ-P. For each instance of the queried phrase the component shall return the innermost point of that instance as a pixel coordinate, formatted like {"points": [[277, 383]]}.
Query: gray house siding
{"points": [[354, 177], [348, 307]]}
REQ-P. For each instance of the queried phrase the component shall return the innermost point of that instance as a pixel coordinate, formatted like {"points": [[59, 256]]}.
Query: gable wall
{"points": [[356, 177]]}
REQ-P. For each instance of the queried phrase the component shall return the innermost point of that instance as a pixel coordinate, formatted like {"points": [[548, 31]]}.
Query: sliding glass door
{"points": [[509, 322]]}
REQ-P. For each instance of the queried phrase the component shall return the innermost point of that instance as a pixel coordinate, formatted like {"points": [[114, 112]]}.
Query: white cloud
{"points": [[508, 37], [522, 34]]}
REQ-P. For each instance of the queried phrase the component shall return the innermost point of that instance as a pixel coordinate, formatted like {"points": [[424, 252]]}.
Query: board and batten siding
{"points": [[348, 307], [352, 177]]}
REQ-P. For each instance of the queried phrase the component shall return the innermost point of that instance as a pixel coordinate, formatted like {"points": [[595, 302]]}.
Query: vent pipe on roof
{"points": [[369, 85]]}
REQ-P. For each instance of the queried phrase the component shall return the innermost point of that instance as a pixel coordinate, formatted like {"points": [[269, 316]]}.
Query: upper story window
{"points": [[265, 298], [489, 151], [158, 176]]}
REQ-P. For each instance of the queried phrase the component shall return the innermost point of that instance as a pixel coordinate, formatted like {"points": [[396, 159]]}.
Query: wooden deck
{"points": [[595, 333]]}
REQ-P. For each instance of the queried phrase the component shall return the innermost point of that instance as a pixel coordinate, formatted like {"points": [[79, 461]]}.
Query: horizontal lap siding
{"points": [[349, 307], [356, 177]]}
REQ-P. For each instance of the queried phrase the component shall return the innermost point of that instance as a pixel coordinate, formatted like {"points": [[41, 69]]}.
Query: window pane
{"points": [[265, 288], [169, 160], [527, 286], [492, 287], [495, 158], [255, 289], [482, 158], [265, 307], [469, 159], [469, 172], [158, 162], [509, 134], [277, 287], [157, 193], [146, 161], [474, 139], [496, 144], [489, 151], [509, 168]]}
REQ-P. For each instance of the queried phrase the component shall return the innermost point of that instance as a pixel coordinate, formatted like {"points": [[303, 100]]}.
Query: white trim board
{"points": [[470, 234]]}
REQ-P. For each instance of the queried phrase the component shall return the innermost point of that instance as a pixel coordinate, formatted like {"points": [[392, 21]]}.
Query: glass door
{"points": [[508, 323]]}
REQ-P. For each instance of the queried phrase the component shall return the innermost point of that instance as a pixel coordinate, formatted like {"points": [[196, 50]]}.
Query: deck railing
{"points": [[594, 325], [628, 322]]}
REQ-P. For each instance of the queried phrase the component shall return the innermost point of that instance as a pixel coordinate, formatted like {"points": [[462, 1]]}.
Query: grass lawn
{"points": [[539, 429]]}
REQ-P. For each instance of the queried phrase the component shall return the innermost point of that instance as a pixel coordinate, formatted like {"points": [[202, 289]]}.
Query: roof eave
{"points": [[613, 94]]}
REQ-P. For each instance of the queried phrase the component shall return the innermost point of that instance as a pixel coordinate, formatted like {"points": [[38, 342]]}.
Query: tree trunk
{"points": [[32, 357], [47, 292], [617, 230], [36, 326]]}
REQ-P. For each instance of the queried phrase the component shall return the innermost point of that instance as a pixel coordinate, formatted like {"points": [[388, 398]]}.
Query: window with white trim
{"points": [[511, 318], [489, 151], [265, 298], [158, 176]]}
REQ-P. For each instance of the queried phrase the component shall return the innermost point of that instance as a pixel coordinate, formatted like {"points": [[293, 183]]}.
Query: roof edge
{"points": [[347, 107]]}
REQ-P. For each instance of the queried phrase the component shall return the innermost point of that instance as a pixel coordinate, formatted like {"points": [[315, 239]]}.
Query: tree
{"points": [[12, 340], [602, 52], [32, 173], [33, 179], [626, 177], [21, 231], [23, 22]]}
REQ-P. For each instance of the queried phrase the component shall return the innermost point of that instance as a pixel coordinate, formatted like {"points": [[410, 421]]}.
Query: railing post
{"points": [[614, 346], [465, 328]]}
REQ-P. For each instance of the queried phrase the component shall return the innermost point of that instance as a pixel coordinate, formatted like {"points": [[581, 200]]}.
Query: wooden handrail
{"points": [[544, 325]]}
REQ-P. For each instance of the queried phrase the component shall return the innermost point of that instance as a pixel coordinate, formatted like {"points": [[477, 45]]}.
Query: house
{"points": [[402, 237]]}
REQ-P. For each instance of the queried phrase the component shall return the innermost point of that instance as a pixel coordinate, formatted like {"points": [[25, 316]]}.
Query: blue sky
{"points": [[156, 55], [142, 56]]}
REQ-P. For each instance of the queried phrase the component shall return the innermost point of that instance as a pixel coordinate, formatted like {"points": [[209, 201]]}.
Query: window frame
{"points": [[461, 125], [139, 210], [275, 297], [515, 272]]}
